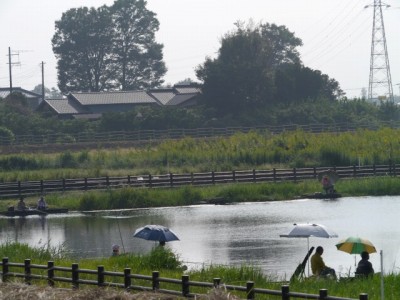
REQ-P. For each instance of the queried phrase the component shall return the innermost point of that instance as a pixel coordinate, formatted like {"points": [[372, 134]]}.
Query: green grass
{"points": [[254, 150], [169, 266], [130, 198]]}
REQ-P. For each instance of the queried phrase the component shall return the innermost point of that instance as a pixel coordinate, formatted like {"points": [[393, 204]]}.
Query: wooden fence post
{"points": [[150, 181], [191, 177], [374, 169], [19, 188], [323, 294], [50, 273], [127, 278], [27, 265], [171, 179], [185, 285], [41, 186], [254, 175], [234, 176], [129, 179], [5, 269], [212, 177], [315, 173], [63, 184], [86, 185], [274, 173], [285, 292], [156, 283], [100, 275], [75, 276], [107, 181], [354, 171], [250, 290], [294, 175]]}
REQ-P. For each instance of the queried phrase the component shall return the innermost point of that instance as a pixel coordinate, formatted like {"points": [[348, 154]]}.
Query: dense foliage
{"points": [[108, 48], [257, 66]]}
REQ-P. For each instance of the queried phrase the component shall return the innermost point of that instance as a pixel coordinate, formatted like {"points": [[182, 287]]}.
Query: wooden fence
{"points": [[150, 135], [153, 283], [26, 188]]}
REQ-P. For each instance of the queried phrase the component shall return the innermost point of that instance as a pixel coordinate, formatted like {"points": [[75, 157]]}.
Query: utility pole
{"points": [[380, 81], [10, 64], [42, 81]]}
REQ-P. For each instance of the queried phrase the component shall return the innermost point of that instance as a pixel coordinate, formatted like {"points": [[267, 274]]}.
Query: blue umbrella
{"points": [[156, 233]]}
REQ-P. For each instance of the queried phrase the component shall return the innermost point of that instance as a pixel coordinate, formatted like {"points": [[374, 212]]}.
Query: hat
{"points": [[115, 247]]}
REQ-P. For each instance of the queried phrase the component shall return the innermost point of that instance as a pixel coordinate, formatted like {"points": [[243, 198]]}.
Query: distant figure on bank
{"points": [[115, 250], [327, 185], [318, 266], [41, 203], [364, 267], [21, 204]]}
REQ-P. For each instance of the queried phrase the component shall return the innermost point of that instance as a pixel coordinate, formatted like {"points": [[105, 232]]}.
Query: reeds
{"points": [[256, 149]]}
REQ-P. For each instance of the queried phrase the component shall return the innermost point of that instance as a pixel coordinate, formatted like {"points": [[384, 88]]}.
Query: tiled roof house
{"points": [[89, 105], [33, 99]]}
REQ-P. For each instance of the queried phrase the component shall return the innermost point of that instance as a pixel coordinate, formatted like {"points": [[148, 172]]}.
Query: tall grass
{"points": [[256, 149]]}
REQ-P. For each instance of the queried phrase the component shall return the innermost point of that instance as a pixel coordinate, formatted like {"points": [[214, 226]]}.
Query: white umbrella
{"points": [[309, 230]]}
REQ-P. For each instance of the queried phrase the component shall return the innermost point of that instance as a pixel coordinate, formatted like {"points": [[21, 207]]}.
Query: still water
{"points": [[227, 234]]}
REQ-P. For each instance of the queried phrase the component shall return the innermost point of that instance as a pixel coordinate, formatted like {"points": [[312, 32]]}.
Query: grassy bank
{"points": [[258, 149], [169, 266], [128, 198]]}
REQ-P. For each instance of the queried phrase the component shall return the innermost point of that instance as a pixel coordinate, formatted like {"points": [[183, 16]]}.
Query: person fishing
{"points": [[327, 185], [364, 267], [41, 205], [318, 266], [21, 204]]}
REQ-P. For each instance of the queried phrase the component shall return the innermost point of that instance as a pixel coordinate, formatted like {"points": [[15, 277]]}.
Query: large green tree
{"points": [[242, 75], [138, 58], [108, 48], [295, 82], [82, 45]]}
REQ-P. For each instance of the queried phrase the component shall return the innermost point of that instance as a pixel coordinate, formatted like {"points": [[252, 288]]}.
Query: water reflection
{"points": [[232, 234]]}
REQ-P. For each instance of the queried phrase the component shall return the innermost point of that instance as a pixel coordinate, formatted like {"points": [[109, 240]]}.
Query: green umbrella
{"points": [[355, 245]]}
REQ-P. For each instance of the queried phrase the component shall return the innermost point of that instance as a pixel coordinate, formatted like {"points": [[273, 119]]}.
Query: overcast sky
{"points": [[336, 35]]}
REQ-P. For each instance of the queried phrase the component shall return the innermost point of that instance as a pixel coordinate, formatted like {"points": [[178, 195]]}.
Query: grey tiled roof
{"points": [[64, 106], [4, 92], [163, 96], [180, 98], [185, 89], [136, 97]]}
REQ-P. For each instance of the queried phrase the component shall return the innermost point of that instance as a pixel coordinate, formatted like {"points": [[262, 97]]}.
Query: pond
{"points": [[245, 233]]}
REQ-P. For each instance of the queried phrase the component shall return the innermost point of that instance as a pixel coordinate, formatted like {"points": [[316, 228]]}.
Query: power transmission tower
{"points": [[380, 81]]}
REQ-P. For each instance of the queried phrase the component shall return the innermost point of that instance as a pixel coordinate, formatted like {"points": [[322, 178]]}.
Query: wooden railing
{"points": [[26, 188], [150, 135], [154, 283]]}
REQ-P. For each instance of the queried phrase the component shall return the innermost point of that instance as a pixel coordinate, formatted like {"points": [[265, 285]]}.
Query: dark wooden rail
{"points": [[26, 188], [126, 280]]}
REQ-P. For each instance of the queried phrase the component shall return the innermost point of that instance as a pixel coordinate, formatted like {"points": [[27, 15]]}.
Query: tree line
{"points": [[256, 78]]}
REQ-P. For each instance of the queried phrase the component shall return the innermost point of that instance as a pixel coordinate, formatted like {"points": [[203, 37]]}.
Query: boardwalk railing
{"points": [[150, 135], [15, 189], [154, 283]]}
